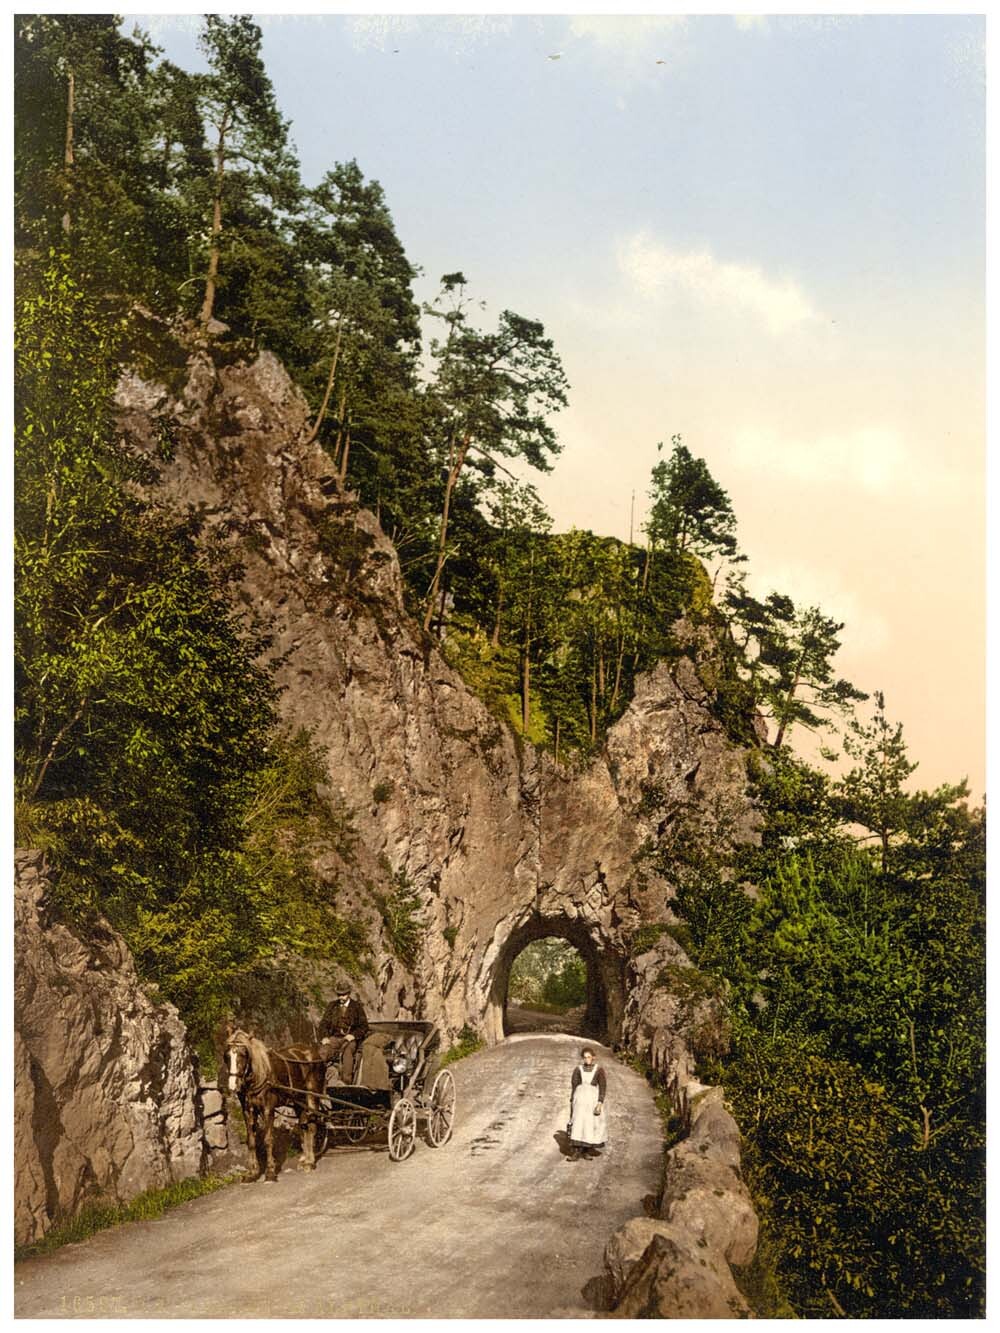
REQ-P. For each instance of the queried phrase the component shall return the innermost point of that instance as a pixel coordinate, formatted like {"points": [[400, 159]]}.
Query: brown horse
{"points": [[263, 1080]]}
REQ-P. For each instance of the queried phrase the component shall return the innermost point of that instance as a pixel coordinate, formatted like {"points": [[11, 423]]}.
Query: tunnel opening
{"points": [[585, 986], [548, 989]]}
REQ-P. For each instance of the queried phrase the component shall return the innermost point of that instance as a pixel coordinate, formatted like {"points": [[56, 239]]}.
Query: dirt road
{"points": [[499, 1223]]}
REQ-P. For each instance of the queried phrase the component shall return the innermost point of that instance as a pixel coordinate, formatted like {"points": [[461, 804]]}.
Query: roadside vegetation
{"points": [[469, 1041], [95, 1217]]}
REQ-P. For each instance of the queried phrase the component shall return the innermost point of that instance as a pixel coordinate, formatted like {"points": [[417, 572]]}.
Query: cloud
{"points": [[866, 630], [747, 22], [651, 268], [872, 458], [457, 30], [624, 32]]}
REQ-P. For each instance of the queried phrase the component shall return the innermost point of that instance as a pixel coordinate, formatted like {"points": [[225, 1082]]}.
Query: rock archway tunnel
{"points": [[602, 955]]}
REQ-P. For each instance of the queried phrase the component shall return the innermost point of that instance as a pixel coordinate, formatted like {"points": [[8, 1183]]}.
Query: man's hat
{"points": [[344, 989]]}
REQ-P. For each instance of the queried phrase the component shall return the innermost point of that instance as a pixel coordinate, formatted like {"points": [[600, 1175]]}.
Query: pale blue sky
{"points": [[773, 242]]}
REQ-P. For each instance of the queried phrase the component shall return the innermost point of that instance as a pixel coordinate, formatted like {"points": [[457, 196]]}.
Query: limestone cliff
{"points": [[501, 844], [106, 1101]]}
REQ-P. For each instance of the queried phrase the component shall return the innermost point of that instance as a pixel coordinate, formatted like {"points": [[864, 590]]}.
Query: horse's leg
{"points": [[307, 1126], [250, 1120], [270, 1101]]}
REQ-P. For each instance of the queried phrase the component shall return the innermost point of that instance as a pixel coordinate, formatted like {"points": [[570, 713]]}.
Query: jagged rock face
{"points": [[105, 1094], [502, 845]]}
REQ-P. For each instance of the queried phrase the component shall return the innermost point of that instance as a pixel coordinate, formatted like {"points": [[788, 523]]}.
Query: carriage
{"points": [[398, 1087], [419, 1096]]}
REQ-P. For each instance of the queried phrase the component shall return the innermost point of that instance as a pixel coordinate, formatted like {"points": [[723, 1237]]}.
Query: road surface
{"points": [[498, 1223]]}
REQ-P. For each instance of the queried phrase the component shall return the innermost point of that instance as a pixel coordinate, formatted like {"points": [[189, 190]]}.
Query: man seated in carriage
{"points": [[343, 1028]]}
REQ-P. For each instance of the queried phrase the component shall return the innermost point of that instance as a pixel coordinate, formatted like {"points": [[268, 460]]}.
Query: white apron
{"points": [[585, 1127]]}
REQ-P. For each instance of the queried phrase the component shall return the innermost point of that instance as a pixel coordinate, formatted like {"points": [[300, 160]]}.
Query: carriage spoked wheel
{"points": [[441, 1116], [402, 1129], [356, 1127]]}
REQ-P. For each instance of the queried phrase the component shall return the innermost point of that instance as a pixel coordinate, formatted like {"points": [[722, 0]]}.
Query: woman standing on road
{"points": [[588, 1088]]}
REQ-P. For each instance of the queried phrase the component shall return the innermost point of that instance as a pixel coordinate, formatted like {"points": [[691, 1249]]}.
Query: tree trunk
{"points": [[453, 474], [645, 569], [601, 683], [526, 690], [338, 442], [346, 455], [618, 673], [593, 703], [68, 154], [439, 627], [329, 387], [557, 738], [495, 637], [208, 305], [783, 723]]}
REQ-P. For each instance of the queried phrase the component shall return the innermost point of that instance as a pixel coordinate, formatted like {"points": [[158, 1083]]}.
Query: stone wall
{"points": [[677, 1263]]}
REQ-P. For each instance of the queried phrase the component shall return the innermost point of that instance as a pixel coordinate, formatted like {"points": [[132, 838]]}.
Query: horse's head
{"points": [[239, 1060]]}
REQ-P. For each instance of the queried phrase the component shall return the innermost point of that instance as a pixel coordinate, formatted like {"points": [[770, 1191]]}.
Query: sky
{"points": [[766, 235]]}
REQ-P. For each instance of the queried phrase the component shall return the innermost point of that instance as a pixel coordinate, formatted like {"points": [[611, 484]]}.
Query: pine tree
{"points": [[872, 792], [252, 156], [493, 394]]}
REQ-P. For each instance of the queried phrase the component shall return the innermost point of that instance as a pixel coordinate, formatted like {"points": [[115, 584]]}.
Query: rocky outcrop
{"points": [[105, 1094], [500, 843]]}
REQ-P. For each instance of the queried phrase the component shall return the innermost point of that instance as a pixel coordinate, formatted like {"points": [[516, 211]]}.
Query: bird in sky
{"points": [[556, 57], [661, 62]]}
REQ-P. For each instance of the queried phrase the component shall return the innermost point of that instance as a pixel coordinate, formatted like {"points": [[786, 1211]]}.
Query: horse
{"points": [[261, 1079]]}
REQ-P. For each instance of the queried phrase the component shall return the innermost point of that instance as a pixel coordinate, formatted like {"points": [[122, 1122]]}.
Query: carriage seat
{"points": [[371, 1068]]}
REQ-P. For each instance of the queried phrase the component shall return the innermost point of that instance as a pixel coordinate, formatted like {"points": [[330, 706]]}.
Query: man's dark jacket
{"points": [[349, 1020]]}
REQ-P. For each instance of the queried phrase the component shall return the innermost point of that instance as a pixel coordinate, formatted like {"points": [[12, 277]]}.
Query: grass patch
{"points": [[94, 1217], [468, 1043]]}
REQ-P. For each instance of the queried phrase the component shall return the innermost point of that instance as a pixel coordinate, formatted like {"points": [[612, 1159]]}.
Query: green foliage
{"points": [[400, 909], [567, 988], [690, 510], [645, 937], [147, 755], [548, 972], [98, 1216], [789, 655], [872, 792], [860, 1221], [468, 1043], [856, 1000]]}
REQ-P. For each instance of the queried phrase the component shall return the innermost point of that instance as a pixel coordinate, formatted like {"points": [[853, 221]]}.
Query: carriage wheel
{"points": [[441, 1117], [356, 1127], [402, 1129]]}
